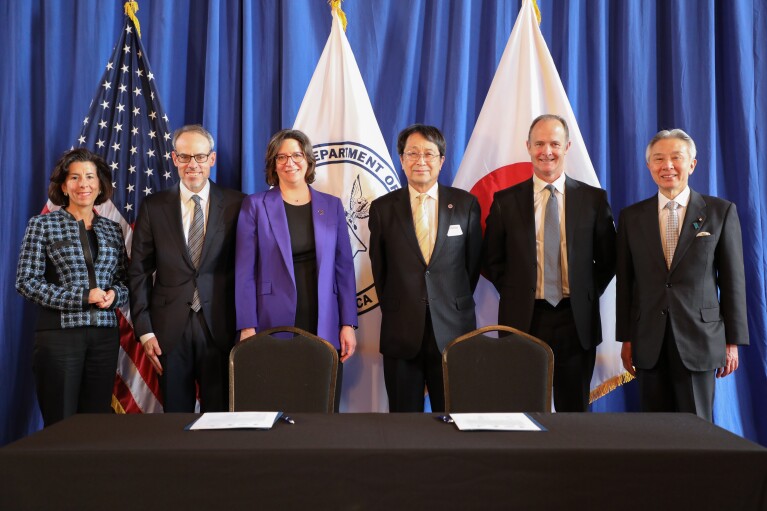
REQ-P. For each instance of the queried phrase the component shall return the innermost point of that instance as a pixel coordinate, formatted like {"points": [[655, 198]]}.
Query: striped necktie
{"points": [[672, 231], [194, 241], [422, 227]]}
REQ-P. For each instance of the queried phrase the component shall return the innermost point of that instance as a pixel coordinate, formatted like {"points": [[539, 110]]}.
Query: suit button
{"points": [[664, 312], [668, 284], [427, 273]]}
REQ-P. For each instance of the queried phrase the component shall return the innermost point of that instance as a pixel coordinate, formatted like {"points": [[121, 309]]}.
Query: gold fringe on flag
{"points": [[609, 385], [336, 6], [537, 12], [116, 406], [131, 8]]}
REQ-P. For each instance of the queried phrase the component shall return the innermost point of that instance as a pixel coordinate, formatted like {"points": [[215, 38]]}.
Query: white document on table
{"points": [[494, 422], [236, 420]]}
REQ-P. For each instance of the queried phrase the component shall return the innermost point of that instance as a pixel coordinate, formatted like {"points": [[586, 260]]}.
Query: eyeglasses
{"points": [[282, 159], [414, 156], [199, 158]]}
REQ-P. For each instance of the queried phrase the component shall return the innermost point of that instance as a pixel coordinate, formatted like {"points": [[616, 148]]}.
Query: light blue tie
{"points": [[194, 241], [552, 262]]}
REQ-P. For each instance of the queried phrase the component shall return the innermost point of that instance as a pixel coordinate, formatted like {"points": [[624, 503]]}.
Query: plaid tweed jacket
{"points": [[57, 270]]}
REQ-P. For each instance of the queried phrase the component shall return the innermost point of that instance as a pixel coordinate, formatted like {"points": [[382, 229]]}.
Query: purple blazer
{"points": [[265, 286]]}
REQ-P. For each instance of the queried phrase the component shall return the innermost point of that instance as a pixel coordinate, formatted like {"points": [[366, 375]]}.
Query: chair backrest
{"points": [[511, 373], [283, 369]]}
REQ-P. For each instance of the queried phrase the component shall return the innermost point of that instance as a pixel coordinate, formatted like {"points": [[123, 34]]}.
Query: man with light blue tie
{"points": [[549, 250], [681, 293]]}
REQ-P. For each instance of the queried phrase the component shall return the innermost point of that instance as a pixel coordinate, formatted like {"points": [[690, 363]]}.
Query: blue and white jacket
{"points": [[57, 270]]}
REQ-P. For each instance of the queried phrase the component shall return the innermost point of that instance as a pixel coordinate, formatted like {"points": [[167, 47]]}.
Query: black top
{"points": [[93, 242], [301, 228]]}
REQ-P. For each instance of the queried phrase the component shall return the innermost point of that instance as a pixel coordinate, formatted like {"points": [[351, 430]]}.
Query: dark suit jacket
{"points": [[159, 246], [510, 259], [703, 294], [406, 284]]}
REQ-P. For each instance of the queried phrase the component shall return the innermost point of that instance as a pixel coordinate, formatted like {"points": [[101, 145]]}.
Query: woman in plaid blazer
{"points": [[72, 265]]}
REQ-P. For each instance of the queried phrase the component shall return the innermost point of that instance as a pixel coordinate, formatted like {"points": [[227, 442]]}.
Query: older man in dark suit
{"points": [[550, 252], [425, 243], [681, 300], [182, 278]]}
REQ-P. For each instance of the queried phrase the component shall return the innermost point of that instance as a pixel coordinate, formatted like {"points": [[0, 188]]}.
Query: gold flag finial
{"points": [[537, 11], [131, 8], [335, 5]]}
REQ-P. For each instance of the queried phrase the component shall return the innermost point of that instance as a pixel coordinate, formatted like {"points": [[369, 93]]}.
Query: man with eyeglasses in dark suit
{"points": [[181, 278], [425, 244]]}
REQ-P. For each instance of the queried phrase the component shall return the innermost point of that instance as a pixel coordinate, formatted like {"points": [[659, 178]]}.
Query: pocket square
{"points": [[702, 233]]}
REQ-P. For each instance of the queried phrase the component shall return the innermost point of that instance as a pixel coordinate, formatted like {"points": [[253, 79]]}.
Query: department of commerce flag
{"points": [[353, 163], [127, 127], [526, 85]]}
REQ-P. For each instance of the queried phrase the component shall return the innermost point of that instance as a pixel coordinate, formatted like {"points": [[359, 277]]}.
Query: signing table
{"points": [[384, 461]]}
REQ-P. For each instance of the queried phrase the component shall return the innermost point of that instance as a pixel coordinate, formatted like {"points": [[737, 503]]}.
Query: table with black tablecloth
{"points": [[384, 461]]}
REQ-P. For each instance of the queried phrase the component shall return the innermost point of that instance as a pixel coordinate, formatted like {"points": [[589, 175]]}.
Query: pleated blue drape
{"points": [[241, 68]]}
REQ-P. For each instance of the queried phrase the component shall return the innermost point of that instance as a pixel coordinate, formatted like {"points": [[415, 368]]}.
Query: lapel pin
{"points": [[698, 223], [449, 206]]}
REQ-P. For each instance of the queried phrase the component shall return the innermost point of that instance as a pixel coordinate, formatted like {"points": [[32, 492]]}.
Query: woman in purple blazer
{"points": [[293, 260]]}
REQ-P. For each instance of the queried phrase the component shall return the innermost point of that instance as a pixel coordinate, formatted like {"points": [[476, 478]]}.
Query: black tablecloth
{"points": [[384, 461]]}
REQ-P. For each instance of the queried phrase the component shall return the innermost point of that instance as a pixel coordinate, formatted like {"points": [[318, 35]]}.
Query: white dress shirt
{"points": [[187, 206]]}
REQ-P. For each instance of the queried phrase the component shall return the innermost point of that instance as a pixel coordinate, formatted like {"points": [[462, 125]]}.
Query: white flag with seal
{"points": [[526, 85], [353, 163]]}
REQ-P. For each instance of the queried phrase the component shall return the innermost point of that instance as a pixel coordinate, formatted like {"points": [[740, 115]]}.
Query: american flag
{"points": [[127, 126]]}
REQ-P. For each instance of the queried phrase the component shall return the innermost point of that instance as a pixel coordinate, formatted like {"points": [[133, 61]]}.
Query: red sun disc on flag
{"points": [[500, 178]]}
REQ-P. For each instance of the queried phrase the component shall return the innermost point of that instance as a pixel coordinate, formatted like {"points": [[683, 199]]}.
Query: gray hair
{"points": [[549, 117], [675, 133], [192, 128]]}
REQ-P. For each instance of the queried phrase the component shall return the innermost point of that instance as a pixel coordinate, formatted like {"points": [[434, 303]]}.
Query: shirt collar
{"points": [[539, 184], [186, 193], [432, 192], [682, 199]]}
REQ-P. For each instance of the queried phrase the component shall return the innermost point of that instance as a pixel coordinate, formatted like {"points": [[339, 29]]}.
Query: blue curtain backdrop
{"points": [[241, 68]]}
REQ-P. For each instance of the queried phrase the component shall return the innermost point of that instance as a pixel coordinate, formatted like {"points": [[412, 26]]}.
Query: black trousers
{"points": [[196, 362], [75, 370], [405, 379], [671, 387], [573, 366]]}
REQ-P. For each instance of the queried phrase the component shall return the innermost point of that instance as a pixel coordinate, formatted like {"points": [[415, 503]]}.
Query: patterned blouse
{"points": [[57, 270]]}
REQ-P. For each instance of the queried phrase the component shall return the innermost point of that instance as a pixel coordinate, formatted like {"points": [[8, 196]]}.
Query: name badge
{"points": [[454, 230]]}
